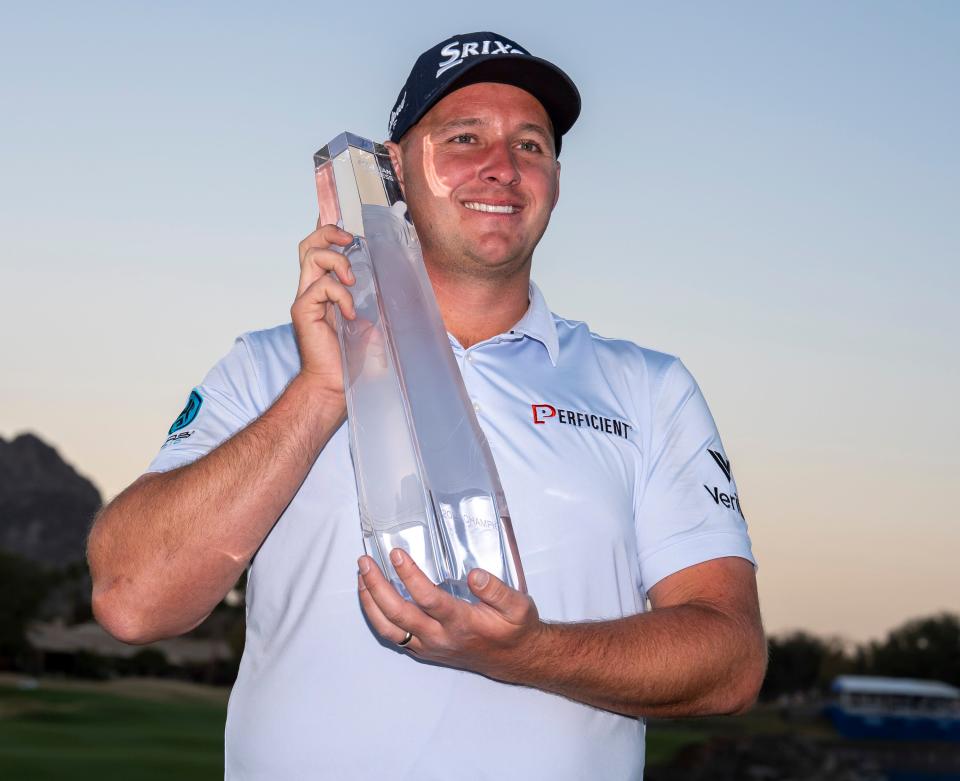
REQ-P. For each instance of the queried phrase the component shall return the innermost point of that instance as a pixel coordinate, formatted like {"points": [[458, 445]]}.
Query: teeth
{"points": [[486, 207]]}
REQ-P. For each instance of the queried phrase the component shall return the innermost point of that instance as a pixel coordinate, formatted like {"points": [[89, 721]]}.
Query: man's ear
{"points": [[396, 160], [556, 195]]}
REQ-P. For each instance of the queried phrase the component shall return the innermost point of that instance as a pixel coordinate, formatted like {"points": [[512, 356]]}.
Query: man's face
{"points": [[480, 178]]}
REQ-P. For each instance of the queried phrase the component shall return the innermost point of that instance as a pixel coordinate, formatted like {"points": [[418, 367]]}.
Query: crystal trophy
{"points": [[426, 479]]}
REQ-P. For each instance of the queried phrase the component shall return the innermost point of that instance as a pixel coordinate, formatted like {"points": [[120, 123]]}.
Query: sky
{"points": [[768, 190]]}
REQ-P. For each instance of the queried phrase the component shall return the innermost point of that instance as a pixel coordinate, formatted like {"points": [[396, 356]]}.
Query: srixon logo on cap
{"points": [[455, 53]]}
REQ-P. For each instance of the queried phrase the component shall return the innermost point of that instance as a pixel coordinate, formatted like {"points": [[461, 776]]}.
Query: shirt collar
{"points": [[538, 323]]}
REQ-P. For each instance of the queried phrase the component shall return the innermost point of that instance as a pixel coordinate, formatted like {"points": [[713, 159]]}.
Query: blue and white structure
{"points": [[894, 708]]}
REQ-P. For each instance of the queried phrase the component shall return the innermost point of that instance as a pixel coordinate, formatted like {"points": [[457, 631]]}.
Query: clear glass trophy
{"points": [[426, 479]]}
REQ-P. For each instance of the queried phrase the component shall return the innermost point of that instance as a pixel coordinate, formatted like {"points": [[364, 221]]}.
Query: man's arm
{"points": [[701, 650], [167, 549]]}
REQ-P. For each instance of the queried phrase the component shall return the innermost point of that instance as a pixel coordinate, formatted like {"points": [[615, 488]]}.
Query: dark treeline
{"points": [[928, 648], [800, 662], [32, 594]]}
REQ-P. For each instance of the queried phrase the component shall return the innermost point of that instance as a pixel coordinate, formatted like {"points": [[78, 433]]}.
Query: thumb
{"points": [[494, 592]]}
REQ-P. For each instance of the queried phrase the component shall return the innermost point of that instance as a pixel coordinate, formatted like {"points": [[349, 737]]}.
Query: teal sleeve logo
{"points": [[186, 417]]}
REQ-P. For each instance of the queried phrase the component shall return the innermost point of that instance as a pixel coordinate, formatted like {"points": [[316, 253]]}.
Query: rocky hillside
{"points": [[45, 506]]}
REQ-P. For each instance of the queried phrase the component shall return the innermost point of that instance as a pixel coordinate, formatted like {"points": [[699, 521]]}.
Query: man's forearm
{"points": [[701, 650], [167, 549], [686, 660]]}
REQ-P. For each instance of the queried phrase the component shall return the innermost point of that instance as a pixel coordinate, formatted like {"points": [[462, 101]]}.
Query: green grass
{"points": [[137, 731], [666, 738], [150, 729], [664, 743]]}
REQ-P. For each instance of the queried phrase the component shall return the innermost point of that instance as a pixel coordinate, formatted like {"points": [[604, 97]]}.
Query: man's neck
{"points": [[476, 309]]}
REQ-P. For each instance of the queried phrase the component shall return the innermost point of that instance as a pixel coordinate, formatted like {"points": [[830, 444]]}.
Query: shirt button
{"points": [[476, 407], [470, 357]]}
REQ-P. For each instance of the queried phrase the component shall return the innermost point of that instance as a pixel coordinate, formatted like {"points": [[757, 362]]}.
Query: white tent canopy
{"points": [[903, 687]]}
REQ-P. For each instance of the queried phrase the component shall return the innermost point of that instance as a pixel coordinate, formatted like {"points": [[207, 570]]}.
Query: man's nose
{"points": [[499, 166]]}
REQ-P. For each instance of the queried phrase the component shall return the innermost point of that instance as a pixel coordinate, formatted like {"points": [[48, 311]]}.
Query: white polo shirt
{"points": [[615, 477]]}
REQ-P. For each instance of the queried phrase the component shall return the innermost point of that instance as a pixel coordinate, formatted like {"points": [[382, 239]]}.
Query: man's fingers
{"points": [[323, 265], [395, 610], [321, 292], [434, 601], [510, 603], [324, 236], [317, 257], [382, 625], [320, 260]]}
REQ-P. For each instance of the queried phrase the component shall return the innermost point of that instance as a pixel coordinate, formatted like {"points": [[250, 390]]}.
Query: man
{"points": [[610, 461]]}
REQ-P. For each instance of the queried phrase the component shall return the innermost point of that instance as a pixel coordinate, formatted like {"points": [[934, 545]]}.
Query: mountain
{"points": [[45, 506]]}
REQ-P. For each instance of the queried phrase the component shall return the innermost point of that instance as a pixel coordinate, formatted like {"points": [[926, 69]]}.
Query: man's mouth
{"points": [[492, 208]]}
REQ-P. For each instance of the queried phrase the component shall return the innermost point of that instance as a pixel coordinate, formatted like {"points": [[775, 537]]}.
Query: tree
{"points": [[921, 648], [23, 588], [801, 663]]}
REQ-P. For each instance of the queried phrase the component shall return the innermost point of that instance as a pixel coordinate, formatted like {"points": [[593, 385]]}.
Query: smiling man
{"points": [[618, 484]]}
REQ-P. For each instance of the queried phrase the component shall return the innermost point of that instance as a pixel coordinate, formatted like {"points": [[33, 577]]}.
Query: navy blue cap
{"points": [[480, 57]]}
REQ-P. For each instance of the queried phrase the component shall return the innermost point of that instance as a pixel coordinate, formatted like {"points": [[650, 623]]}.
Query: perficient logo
{"points": [[544, 412]]}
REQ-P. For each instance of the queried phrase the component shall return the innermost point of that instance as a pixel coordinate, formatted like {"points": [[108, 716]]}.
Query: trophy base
{"points": [[411, 539], [468, 534]]}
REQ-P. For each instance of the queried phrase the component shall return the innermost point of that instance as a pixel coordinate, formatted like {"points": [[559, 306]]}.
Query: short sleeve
{"points": [[689, 509], [227, 400]]}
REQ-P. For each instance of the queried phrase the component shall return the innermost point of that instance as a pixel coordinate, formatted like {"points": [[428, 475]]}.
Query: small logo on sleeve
{"points": [[731, 501], [722, 462], [568, 417], [186, 417], [178, 437]]}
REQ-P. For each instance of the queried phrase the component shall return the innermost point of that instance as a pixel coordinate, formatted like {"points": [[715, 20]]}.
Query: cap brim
{"points": [[555, 90]]}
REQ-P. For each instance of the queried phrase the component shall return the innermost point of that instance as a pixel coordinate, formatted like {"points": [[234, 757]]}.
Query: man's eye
{"points": [[463, 138], [530, 146]]}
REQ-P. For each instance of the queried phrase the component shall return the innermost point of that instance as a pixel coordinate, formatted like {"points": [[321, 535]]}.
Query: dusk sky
{"points": [[770, 191]]}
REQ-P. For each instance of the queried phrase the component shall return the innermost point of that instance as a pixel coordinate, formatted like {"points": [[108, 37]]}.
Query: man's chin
{"points": [[489, 257], [496, 249], [497, 265]]}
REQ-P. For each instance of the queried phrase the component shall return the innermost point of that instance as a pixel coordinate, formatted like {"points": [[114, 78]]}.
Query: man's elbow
{"points": [[744, 688], [139, 623], [124, 623], [125, 611], [745, 697], [114, 611]]}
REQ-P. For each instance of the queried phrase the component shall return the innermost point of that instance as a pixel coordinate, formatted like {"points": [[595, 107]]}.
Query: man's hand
{"points": [[701, 651], [496, 637], [312, 311]]}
